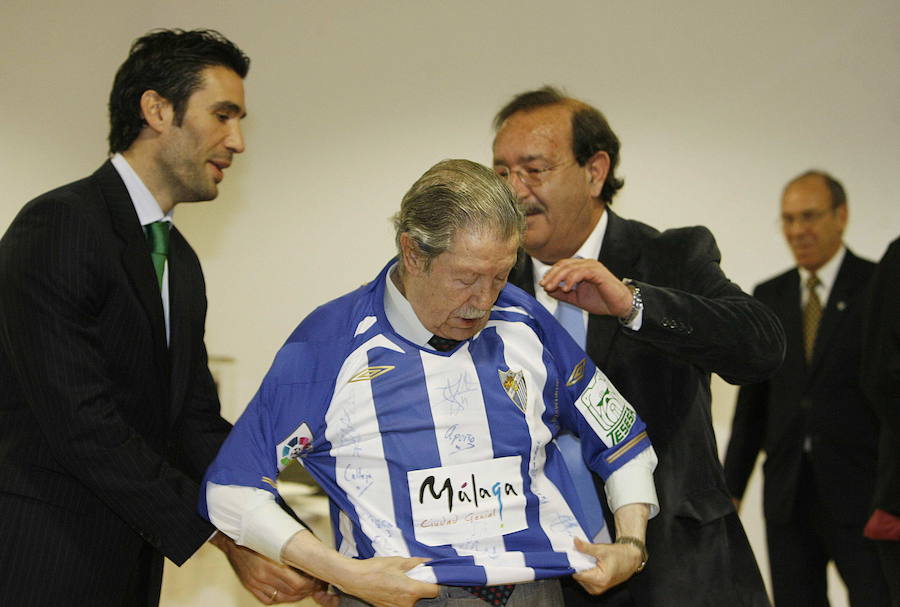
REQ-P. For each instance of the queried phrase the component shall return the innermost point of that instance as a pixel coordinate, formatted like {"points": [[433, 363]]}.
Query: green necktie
{"points": [[158, 232]]}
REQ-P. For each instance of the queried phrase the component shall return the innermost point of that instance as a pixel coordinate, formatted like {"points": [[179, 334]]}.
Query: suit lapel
{"points": [[620, 259], [135, 256], [788, 307], [523, 273], [180, 291]]}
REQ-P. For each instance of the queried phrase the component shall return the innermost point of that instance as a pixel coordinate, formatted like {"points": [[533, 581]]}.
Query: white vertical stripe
{"points": [[361, 468], [457, 407]]}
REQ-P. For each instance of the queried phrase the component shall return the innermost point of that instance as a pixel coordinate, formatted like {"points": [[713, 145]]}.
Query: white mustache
{"points": [[471, 313]]}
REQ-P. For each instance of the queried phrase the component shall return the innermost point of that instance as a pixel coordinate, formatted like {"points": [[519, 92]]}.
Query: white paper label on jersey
{"points": [[453, 504]]}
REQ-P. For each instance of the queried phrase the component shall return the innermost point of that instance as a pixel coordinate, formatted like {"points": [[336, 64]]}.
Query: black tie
{"points": [[442, 344]]}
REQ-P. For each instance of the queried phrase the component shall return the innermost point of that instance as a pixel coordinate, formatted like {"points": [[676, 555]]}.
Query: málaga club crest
{"points": [[514, 385]]}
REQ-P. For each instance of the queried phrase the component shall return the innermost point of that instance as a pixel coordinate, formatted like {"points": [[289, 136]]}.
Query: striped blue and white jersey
{"points": [[443, 455]]}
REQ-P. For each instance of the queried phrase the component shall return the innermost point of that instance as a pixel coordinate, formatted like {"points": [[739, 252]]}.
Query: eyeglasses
{"points": [[531, 176], [804, 219]]}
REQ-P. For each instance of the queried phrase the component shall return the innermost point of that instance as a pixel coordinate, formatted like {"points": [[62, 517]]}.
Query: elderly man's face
{"points": [[812, 227], [453, 298], [533, 149]]}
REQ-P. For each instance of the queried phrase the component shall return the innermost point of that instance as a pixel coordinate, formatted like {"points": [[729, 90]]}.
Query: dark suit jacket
{"points": [[821, 400], [881, 373], [104, 431], [695, 322]]}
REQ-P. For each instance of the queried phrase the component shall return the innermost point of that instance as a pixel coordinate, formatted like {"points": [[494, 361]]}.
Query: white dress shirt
{"points": [[590, 249], [148, 211]]}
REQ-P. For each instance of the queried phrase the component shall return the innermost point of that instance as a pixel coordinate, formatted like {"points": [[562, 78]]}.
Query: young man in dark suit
{"points": [[811, 418], [657, 314], [108, 412]]}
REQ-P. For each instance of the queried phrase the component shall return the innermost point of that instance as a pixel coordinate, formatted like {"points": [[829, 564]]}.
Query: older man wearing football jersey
{"points": [[426, 404]]}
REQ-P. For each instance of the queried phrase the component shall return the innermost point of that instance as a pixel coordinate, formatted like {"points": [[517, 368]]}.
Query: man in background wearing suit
{"points": [[657, 316], [811, 418], [108, 412]]}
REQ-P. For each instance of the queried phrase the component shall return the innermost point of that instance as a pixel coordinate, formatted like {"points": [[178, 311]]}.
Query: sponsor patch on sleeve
{"points": [[608, 413]]}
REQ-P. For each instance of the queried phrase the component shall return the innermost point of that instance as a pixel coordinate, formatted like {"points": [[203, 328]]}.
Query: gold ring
{"points": [[274, 594]]}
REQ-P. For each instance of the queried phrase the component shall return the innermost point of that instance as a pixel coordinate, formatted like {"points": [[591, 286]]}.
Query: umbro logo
{"points": [[370, 373], [577, 373]]}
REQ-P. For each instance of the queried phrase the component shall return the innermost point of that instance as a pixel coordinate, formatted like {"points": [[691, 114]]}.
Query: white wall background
{"points": [[717, 105]]}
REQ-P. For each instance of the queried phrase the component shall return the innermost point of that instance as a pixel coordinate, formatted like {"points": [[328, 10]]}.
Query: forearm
{"points": [[631, 521], [619, 561], [380, 581], [305, 552]]}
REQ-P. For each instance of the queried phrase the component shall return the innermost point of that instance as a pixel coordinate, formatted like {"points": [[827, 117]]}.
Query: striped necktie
{"points": [[812, 314]]}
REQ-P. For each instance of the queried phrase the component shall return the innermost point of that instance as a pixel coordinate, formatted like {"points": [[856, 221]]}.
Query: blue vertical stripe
{"points": [[407, 434]]}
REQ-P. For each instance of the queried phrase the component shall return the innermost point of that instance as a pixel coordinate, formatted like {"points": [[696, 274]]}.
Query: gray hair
{"points": [[456, 195]]}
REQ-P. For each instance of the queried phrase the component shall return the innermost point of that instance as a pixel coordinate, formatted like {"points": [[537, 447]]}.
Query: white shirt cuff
{"points": [[636, 322], [633, 483], [250, 517]]}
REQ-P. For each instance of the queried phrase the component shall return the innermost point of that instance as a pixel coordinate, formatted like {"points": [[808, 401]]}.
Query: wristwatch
{"points": [[637, 304], [633, 541]]}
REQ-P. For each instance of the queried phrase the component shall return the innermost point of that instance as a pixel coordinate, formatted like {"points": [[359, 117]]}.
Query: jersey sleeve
{"points": [[240, 487], [590, 406]]}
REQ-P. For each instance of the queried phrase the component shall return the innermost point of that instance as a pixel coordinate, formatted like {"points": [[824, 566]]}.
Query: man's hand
{"points": [[271, 582], [615, 564], [587, 283], [382, 581]]}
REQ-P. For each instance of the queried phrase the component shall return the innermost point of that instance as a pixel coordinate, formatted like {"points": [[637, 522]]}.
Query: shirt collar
{"points": [[145, 205], [589, 249], [400, 313], [827, 274]]}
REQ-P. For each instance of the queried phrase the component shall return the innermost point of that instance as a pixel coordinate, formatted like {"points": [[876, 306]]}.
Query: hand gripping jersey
{"points": [[444, 455]]}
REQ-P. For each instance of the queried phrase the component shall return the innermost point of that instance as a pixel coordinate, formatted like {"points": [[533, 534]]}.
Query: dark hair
{"points": [[170, 62], [838, 195], [591, 132]]}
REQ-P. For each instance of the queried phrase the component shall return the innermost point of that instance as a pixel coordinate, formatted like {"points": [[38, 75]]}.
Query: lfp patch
{"points": [[295, 446]]}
